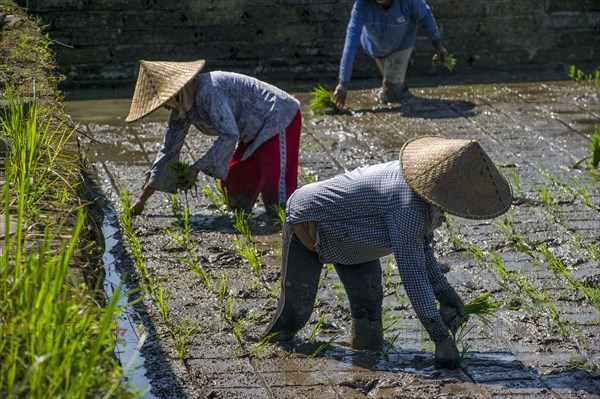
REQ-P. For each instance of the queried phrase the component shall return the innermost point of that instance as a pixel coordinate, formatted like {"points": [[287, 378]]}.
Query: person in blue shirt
{"points": [[387, 31]]}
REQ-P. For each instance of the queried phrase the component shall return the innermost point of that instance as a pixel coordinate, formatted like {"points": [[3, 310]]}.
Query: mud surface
{"points": [[536, 131]]}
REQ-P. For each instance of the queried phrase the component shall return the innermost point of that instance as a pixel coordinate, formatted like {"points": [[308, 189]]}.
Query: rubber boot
{"points": [[300, 273], [394, 93], [362, 283], [367, 334]]}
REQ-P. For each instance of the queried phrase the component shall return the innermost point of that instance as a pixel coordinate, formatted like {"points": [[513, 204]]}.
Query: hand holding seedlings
{"points": [[452, 309]]}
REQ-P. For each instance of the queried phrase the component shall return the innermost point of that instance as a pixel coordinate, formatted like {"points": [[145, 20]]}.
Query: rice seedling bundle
{"points": [[481, 305], [322, 101], [449, 61]]}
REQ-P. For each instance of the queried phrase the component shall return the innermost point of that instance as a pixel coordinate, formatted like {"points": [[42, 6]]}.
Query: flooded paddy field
{"points": [[204, 318]]}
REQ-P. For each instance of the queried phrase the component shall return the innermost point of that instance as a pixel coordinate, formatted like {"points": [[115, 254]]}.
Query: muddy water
{"points": [[532, 129]]}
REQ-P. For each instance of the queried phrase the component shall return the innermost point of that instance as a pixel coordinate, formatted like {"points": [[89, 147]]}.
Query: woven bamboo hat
{"points": [[157, 82], [456, 175]]}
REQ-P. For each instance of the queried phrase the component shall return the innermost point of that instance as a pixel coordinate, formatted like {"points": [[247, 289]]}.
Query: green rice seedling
{"points": [[162, 299], [390, 319], [595, 147], [280, 212], [251, 254], [217, 196], [182, 334], [179, 169], [584, 195], [317, 327], [454, 230], [328, 269], [307, 176], [388, 271], [559, 268], [324, 346], [338, 287], [275, 290], [449, 61], [481, 306], [196, 268], [222, 289], [476, 252], [241, 225], [575, 74], [260, 347], [322, 101]]}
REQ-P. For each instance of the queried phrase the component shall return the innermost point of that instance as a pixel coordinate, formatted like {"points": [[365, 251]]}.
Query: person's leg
{"points": [[362, 283], [393, 70], [300, 273], [279, 174], [243, 180]]}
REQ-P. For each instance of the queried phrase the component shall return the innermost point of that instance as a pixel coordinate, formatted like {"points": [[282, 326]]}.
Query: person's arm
{"points": [[216, 161], [409, 251], [353, 32], [425, 17], [452, 307], [160, 177]]}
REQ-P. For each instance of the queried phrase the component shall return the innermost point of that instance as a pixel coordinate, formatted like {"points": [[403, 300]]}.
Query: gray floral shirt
{"points": [[369, 213], [234, 108]]}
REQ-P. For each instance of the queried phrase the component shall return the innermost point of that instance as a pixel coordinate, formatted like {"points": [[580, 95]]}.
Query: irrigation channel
{"points": [[207, 291]]}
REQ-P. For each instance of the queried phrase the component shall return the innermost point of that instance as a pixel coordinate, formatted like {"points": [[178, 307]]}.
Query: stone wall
{"points": [[302, 40]]}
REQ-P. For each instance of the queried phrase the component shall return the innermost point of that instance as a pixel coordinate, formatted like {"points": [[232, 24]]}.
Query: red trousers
{"points": [[263, 172]]}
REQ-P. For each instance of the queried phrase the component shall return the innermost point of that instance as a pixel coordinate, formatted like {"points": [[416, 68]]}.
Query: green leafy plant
{"points": [[322, 101]]}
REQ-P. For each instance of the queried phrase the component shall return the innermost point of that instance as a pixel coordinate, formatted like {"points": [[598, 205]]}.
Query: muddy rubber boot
{"points": [[300, 273], [367, 335], [394, 93], [362, 283]]}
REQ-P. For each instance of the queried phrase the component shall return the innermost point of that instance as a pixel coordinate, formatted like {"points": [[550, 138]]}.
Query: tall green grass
{"points": [[55, 341]]}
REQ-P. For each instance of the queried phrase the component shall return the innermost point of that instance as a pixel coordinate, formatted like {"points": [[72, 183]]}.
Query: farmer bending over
{"points": [[387, 30], [356, 218], [256, 125]]}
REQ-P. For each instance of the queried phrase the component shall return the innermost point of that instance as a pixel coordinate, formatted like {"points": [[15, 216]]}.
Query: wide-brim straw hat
{"points": [[455, 175], [157, 82]]}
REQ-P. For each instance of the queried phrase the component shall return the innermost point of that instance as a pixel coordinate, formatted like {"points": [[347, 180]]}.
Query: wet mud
{"points": [[537, 132]]}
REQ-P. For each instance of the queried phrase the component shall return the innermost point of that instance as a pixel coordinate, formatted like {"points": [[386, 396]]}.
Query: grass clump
{"points": [[322, 101], [55, 340]]}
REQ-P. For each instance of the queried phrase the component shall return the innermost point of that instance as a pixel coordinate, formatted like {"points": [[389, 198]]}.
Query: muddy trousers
{"points": [[271, 170], [301, 270]]}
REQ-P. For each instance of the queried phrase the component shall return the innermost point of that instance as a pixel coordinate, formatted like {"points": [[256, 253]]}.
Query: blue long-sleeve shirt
{"points": [[372, 212], [382, 31]]}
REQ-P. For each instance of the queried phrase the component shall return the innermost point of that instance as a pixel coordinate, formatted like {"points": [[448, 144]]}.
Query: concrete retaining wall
{"points": [[101, 41]]}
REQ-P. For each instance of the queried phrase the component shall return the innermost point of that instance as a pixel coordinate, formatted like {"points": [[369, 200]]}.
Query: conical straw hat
{"points": [[456, 175], [157, 82]]}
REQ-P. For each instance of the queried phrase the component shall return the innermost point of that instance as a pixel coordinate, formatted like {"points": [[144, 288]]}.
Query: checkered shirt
{"points": [[369, 213]]}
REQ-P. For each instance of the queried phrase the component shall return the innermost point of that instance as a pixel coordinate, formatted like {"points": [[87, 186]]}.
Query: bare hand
{"points": [[440, 53], [137, 208], [190, 179], [340, 94]]}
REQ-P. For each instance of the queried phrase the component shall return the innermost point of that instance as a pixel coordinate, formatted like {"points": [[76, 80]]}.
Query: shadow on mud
{"points": [[493, 368], [427, 108]]}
